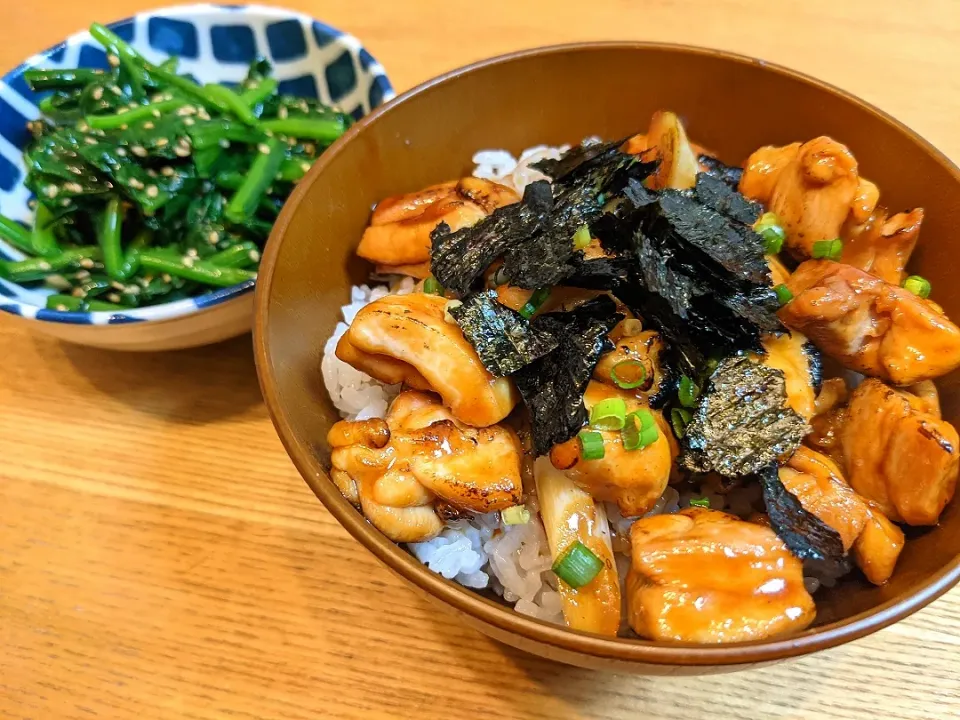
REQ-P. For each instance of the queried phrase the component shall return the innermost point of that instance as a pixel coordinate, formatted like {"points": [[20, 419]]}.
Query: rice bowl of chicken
{"points": [[578, 372]]}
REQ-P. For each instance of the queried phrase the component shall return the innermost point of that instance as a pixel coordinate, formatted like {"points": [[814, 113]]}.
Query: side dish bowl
{"points": [[730, 104], [216, 45]]}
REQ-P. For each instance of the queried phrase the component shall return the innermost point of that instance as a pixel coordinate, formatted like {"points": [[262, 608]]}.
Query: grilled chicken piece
{"points": [[633, 479], [667, 141], [397, 470], [882, 246], [385, 369], [569, 514], [799, 361], [399, 232], [636, 358], [898, 455], [878, 547], [926, 392], [869, 325], [829, 420], [811, 189], [816, 481], [704, 576], [419, 270], [778, 271], [411, 329]]}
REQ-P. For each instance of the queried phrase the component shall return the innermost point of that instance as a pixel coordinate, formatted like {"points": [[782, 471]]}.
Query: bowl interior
{"points": [[214, 44], [561, 95]]}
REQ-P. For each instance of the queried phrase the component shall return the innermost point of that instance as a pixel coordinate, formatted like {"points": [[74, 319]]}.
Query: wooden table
{"points": [[161, 558]]}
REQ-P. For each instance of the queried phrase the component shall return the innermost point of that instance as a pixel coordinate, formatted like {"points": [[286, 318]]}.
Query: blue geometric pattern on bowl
{"points": [[216, 44]]}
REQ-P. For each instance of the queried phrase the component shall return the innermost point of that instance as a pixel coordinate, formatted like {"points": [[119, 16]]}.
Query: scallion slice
{"points": [[581, 238], [431, 286], [768, 227], [624, 369], [700, 502], [516, 515], [591, 445], [578, 565], [609, 414], [688, 392], [680, 418], [538, 298], [639, 431], [828, 249], [917, 285], [783, 294]]}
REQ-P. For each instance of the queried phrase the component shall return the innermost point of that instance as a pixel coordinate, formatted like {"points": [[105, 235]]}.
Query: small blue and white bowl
{"points": [[215, 43]]}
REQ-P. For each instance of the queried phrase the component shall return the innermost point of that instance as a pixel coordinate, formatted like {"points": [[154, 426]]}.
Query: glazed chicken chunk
{"points": [[878, 547], [406, 338], [799, 361], [399, 232], [871, 326], [633, 479], [398, 470], [898, 455], [704, 576], [883, 245]]}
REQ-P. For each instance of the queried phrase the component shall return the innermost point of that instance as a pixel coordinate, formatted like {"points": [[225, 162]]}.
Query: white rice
{"points": [[511, 560]]}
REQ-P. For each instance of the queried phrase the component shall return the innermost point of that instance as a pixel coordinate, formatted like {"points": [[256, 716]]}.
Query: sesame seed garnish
{"points": [[268, 133], [136, 184], [32, 203], [122, 152], [61, 307], [166, 171], [305, 166], [82, 274], [72, 187], [282, 113], [192, 252], [78, 292], [224, 143], [90, 141], [153, 191], [124, 127], [187, 261], [189, 121], [213, 238], [187, 110], [254, 256], [139, 150], [152, 173], [264, 148], [166, 278], [148, 126], [123, 111], [203, 114], [113, 297], [181, 151], [65, 202], [86, 263], [74, 169], [82, 126], [132, 289], [44, 265], [51, 191], [116, 285], [108, 185], [162, 142], [113, 60], [116, 90], [155, 113]]}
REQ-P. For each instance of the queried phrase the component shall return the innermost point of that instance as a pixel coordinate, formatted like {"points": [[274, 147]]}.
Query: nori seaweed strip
{"points": [[459, 258], [726, 200], [552, 387], [574, 160], [806, 535], [503, 339], [725, 173], [814, 365], [742, 421], [598, 273]]}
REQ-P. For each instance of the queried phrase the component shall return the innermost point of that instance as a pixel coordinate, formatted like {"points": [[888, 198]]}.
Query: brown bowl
{"points": [[554, 95]]}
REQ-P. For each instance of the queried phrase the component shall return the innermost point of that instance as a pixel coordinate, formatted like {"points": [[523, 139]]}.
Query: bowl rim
{"points": [[486, 610], [215, 296]]}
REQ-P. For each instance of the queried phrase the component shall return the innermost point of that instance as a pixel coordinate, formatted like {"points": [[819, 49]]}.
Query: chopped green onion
{"points": [[688, 392], [639, 431], [516, 515], [432, 286], [622, 382], [828, 249], [581, 238], [768, 227], [680, 418], [578, 565], [700, 502], [609, 414], [538, 298], [783, 294], [917, 285], [591, 445]]}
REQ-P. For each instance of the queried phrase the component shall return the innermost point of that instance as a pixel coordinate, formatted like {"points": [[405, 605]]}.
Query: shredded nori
{"points": [[715, 168], [503, 339], [726, 200], [806, 535], [742, 422], [552, 387]]}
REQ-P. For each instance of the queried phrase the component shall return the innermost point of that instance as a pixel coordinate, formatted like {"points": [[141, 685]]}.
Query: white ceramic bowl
{"points": [[215, 44]]}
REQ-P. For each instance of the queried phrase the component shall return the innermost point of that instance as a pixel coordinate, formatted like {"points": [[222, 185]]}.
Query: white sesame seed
{"points": [[192, 252], [113, 297], [152, 173], [181, 151], [108, 185], [187, 261], [121, 152], [213, 238], [203, 114], [136, 184], [270, 190], [32, 203], [51, 191], [113, 60], [305, 166], [224, 143], [133, 104], [189, 121], [124, 127], [74, 169], [153, 191], [132, 289], [291, 141], [254, 256], [282, 113], [86, 263], [72, 187], [44, 265], [264, 148], [148, 126], [78, 292], [82, 126], [155, 113], [116, 285], [268, 133], [166, 278], [310, 148], [116, 91], [123, 111], [65, 202], [139, 150], [62, 307], [166, 171], [90, 141], [82, 274], [162, 142]]}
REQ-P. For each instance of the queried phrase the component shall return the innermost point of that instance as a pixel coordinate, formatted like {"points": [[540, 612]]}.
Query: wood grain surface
{"points": [[161, 558]]}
